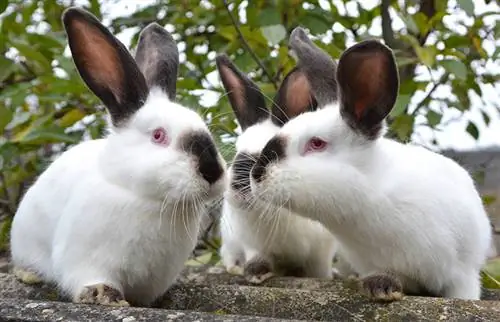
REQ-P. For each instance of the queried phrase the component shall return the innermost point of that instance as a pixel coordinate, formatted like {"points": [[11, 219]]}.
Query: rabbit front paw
{"points": [[258, 270], [383, 287], [26, 276], [235, 270], [101, 294]]}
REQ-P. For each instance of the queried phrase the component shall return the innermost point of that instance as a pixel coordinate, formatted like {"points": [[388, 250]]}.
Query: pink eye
{"points": [[159, 136], [316, 144]]}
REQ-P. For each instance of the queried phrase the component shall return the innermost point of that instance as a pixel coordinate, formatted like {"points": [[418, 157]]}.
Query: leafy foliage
{"points": [[45, 107]]}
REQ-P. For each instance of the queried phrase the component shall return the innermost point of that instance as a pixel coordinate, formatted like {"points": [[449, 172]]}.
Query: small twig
{"points": [[247, 47], [387, 32], [6, 193], [442, 80]]}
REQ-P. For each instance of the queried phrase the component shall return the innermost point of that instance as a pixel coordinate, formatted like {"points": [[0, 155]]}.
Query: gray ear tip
{"points": [[298, 34], [155, 29]]}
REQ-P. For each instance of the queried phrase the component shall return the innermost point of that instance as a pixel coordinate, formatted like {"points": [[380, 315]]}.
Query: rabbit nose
{"points": [[201, 146], [272, 152]]}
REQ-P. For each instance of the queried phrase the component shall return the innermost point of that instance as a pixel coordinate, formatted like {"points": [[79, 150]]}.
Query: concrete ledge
{"points": [[217, 296], [29, 310]]}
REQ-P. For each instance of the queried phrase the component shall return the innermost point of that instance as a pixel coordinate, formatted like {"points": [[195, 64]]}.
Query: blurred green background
{"points": [[442, 46]]}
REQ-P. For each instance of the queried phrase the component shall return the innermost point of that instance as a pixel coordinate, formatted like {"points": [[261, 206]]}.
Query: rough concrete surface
{"points": [[210, 294]]}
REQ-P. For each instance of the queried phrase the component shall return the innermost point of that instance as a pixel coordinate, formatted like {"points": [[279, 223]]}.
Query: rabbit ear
{"points": [[312, 83], [293, 98], [317, 65], [369, 84], [105, 65], [246, 99], [158, 58]]}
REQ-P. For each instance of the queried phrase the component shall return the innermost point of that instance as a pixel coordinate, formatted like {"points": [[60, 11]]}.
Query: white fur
{"points": [[120, 210], [250, 228], [392, 207]]}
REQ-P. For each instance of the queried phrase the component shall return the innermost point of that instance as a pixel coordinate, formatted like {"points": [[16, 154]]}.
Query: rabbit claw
{"points": [[101, 294]]}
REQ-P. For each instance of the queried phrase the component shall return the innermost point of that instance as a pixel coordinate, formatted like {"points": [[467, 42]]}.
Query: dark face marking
{"points": [[272, 152], [201, 145], [242, 165]]}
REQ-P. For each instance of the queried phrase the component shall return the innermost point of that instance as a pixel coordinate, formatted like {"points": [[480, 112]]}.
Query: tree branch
{"points": [[247, 47], [428, 8], [441, 80], [387, 32]]}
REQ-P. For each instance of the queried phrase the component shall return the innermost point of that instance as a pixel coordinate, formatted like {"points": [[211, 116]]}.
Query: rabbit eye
{"points": [[159, 136], [316, 144]]}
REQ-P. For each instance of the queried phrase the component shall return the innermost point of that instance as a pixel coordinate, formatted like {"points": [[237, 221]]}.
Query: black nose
{"points": [[201, 145], [242, 164], [272, 152]]}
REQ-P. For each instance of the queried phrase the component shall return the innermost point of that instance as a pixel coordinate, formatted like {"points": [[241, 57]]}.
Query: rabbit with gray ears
{"points": [[257, 240], [112, 221], [408, 220]]}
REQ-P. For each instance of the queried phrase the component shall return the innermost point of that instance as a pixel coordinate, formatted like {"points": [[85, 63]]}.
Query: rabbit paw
{"points": [[235, 270], [27, 276], [101, 294], [258, 270], [383, 287]]}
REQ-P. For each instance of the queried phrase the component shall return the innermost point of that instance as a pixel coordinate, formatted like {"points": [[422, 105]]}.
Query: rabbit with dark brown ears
{"points": [[257, 240], [113, 220], [408, 220]]}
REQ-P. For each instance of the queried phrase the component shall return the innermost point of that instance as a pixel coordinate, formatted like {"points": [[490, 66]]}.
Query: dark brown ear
{"points": [[369, 85], [158, 58], [105, 65], [246, 99], [294, 97], [317, 65]]}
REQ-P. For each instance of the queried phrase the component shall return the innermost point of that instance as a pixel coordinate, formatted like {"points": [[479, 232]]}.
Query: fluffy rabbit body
{"points": [[407, 219], [113, 220], [260, 240]]}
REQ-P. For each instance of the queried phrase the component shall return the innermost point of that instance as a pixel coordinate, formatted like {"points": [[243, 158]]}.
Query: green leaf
{"points": [[488, 200], [433, 118], [491, 273], [401, 104], [455, 67], [18, 119], [403, 126], [427, 55], [269, 17], [200, 260], [274, 34], [496, 54], [3, 5], [6, 115], [27, 51], [467, 6], [486, 118], [410, 24], [7, 67], [51, 134], [71, 117], [472, 130], [315, 24]]}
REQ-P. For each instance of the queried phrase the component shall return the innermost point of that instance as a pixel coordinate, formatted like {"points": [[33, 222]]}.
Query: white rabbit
{"points": [[407, 219], [112, 221], [261, 241]]}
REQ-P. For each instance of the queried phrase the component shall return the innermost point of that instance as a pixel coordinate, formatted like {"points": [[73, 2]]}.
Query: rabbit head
{"points": [[257, 122], [299, 160], [155, 146]]}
